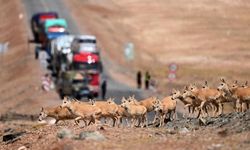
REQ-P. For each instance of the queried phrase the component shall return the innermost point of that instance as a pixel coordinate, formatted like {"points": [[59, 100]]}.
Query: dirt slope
{"points": [[20, 73]]}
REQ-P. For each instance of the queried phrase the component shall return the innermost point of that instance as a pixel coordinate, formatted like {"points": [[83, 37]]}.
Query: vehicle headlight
{"points": [[93, 88], [66, 50], [76, 88]]}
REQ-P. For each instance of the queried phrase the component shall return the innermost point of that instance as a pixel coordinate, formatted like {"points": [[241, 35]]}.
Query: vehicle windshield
{"points": [[53, 35], [82, 81], [85, 66], [86, 41]]}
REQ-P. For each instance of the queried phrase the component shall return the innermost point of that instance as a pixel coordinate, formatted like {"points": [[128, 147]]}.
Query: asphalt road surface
{"points": [[114, 88]]}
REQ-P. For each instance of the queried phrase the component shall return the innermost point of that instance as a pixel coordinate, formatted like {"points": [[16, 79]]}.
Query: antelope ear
{"points": [[185, 88], [42, 109], [60, 107], [206, 82], [222, 80], [123, 98], [235, 81], [246, 83]]}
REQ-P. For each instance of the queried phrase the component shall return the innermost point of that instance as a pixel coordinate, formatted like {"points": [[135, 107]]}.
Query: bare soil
{"points": [[231, 131], [20, 76]]}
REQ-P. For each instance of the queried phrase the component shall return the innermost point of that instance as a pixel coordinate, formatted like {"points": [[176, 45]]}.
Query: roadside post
{"points": [[3, 49], [172, 69], [129, 51], [172, 72]]}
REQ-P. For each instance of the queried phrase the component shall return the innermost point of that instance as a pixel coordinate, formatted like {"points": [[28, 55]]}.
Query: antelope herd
{"points": [[199, 100]]}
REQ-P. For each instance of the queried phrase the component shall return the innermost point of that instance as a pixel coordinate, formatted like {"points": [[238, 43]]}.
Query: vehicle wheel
{"points": [[36, 38], [61, 94], [90, 96], [36, 53]]}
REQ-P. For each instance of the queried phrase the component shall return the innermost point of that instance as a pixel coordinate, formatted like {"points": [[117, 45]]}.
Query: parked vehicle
{"points": [[37, 21]]}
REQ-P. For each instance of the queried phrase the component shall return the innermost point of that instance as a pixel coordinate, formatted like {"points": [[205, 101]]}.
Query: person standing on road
{"points": [[147, 79], [104, 89], [138, 78]]}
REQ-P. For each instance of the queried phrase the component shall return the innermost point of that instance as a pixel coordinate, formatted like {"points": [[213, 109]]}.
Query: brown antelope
{"points": [[83, 111], [57, 113], [167, 106], [170, 104], [148, 103], [240, 106], [108, 109], [160, 112], [122, 113], [205, 97], [188, 101], [136, 112], [240, 95]]}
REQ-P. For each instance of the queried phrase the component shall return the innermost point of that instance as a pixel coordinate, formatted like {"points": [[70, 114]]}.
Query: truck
{"points": [[84, 43], [37, 21], [86, 61], [75, 84], [91, 64], [52, 29], [61, 52]]}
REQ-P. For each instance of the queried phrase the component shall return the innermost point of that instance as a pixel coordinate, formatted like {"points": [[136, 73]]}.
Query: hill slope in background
{"points": [[207, 39]]}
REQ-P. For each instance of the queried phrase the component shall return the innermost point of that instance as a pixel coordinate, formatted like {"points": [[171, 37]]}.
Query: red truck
{"points": [[90, 63]]}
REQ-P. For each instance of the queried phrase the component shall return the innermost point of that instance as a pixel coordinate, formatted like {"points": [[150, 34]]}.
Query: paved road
{"points": [[115, 88]]}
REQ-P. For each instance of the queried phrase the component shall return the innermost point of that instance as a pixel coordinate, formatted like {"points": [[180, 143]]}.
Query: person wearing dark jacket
{"points": [[138, 78], [147, 79], [104, 89]]}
